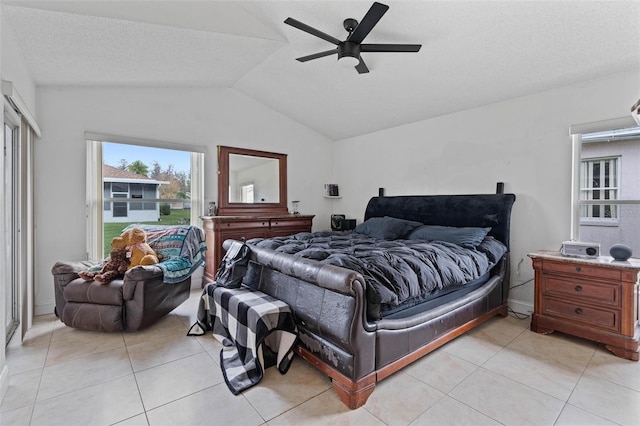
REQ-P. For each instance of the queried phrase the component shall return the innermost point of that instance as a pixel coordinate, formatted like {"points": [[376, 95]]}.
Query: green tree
{"points": [[138, 167], [122, 164]]}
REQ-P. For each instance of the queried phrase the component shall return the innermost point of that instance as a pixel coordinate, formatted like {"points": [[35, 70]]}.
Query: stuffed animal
{"points": [[139, 252], [115, 267]]}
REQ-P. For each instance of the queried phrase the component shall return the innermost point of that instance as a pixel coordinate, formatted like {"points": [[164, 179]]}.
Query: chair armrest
{"points": [[73, 267], [139, 274]]}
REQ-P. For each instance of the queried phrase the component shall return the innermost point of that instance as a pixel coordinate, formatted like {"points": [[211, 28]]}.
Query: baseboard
{"points": [[4, 382], [44, 308], [520, 307]]}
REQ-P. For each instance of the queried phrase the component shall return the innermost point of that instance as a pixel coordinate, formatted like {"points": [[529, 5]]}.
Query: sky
{"points": [[112, 153]]}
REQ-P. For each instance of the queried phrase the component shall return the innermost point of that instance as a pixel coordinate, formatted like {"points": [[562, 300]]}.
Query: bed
{"points": [[364, 304]]}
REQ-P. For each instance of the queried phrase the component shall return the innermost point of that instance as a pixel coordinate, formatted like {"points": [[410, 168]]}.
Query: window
{"points": [[606, 184], [140, 182], [247, 193], [599, 181]]}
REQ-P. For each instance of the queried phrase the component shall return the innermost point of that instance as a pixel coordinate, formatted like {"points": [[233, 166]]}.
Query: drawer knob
{"points": [[578, 269], [578, 311], [578, 288]]}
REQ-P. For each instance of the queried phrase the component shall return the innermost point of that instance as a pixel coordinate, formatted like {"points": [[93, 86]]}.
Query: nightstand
{"points": [[596, 299]]}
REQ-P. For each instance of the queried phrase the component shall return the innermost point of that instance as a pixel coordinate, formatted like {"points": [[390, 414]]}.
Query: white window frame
{"points": [[94, 188], [614, 175]]}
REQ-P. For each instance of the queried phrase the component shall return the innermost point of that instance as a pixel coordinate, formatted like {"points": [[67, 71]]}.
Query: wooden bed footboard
{"points": [[328, 303]]}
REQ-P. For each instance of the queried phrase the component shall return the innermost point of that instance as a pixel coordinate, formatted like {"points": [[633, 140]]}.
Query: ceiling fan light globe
{"points": [[348, 61]]}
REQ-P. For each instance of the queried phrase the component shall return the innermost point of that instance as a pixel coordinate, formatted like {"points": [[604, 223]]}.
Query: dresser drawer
{"points": [[242, 224], [602, 318], [291, 223], [580, 270], [577, 289]]}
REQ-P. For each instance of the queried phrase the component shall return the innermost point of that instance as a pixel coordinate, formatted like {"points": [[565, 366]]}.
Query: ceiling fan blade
{"points": [[362, 67], [369, 21], [306, 28], [390, 47], [317, 55]]}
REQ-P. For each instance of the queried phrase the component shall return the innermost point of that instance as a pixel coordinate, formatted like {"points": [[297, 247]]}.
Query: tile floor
{"points": [[499, 373]]}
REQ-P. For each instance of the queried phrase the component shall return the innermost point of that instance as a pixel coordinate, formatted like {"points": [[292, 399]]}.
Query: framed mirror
{"points": [[251, 182]]}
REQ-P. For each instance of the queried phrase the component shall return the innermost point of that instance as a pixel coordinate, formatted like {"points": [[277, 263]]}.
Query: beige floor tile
{"points": [[39, 333], [84, 372], [491, 394], [608, 400], [209, 343], [166, 327], [481, 343], [211, 406], [176, 379], [22, 390], [449, 412], [325, 409], [440, 370], [69, 343], [574, 416], [277, 393], [551, 364], [399, 399], [162, 349], [102, 404], [607, 366], [139, 420], [21, 359], [17, 417]]}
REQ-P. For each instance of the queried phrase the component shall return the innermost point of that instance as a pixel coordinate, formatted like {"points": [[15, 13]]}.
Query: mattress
{"points": [[399, 274]]}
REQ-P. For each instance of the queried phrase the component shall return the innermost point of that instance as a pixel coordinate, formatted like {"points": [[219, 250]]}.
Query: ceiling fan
{"points": [[349, 50]]}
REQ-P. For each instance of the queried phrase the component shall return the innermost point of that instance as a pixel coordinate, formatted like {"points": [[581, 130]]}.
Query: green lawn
{"points": [[114, 229]]}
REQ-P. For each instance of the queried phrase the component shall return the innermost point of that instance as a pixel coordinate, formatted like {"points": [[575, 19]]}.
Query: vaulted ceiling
{"points": [[473, 52]]}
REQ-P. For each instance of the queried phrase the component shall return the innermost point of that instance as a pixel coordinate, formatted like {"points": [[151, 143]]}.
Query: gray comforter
{"points": [[395, 271]]}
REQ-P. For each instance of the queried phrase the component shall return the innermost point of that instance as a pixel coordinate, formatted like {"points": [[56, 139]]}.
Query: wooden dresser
{"points": [[596, 299], [220, 228]]}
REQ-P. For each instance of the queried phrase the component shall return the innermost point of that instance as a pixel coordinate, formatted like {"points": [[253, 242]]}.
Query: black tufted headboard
{"points": [[481, 210]]}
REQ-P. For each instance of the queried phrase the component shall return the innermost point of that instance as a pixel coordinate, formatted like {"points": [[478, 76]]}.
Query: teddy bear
{"points": [[138, 251], [116, 265]]}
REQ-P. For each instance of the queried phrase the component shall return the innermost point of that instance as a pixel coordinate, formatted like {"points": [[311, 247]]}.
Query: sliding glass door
{"points": [[11, 224]]}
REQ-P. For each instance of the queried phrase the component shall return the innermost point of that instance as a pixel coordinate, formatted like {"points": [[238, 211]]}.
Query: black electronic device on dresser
{"points": [[340, 223]]}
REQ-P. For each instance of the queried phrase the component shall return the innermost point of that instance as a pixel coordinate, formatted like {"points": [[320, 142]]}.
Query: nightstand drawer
{"points": [[580, 270], [586, 290], [603, 318]]}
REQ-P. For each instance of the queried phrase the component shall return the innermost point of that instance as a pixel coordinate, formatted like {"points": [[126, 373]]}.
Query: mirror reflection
{"points": [[253, 179]]}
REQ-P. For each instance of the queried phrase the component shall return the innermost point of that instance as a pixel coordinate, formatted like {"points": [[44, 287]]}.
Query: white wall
{"points": [[522, 142], [208, 117], [15, 69]]}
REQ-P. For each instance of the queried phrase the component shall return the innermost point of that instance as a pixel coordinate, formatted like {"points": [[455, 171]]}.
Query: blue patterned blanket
{"points": [[182, 249]]}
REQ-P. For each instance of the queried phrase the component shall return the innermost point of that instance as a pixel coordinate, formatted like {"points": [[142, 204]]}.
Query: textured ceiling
{"points": [[473, 53]]}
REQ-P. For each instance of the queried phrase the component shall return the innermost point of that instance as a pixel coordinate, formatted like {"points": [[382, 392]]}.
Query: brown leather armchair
{"points": [[144, 295]]}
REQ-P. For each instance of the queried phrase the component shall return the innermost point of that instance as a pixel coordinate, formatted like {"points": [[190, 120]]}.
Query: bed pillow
{"points": [[386, 228], [461, 236]]}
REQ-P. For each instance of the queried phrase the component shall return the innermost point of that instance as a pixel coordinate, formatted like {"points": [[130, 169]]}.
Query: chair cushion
{"points": [[82, 291]]}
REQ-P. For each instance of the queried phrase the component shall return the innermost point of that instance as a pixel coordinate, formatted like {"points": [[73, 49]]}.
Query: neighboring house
{"points": [[610, 170], [119, 183]]}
